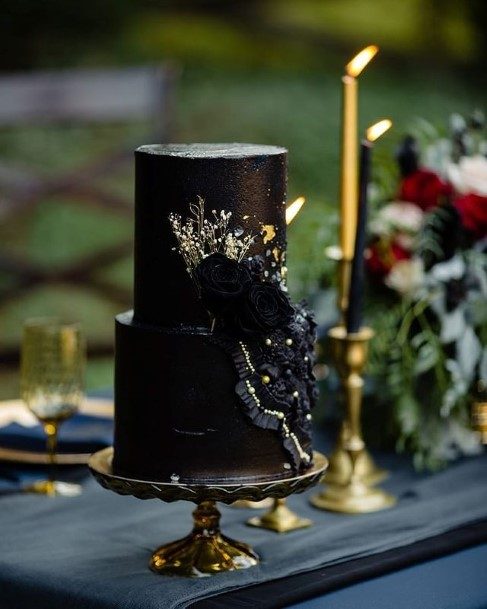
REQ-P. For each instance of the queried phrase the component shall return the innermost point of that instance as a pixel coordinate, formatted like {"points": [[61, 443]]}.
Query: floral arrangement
{"points": [[427, 264]]}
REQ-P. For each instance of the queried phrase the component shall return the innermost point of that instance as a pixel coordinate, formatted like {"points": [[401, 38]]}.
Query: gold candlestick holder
{"points": [[339, 462], [280, 519], [354, 496]]}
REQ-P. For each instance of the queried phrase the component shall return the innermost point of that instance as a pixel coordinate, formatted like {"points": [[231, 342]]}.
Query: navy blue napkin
{"points": [[80, 434]]}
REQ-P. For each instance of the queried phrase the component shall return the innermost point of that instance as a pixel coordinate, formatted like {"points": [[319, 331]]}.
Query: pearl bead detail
{"points": [[289, 341], [276, 413], [306, 358], [247, 357], [309, 416]]}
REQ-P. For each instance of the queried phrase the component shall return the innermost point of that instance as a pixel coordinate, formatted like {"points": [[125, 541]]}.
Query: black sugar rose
{"points": [[222, 282], [266, 307]]}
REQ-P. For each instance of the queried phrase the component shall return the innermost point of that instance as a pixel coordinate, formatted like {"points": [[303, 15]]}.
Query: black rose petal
{"points": [[222, 282], [256, 266], [265, 307]]}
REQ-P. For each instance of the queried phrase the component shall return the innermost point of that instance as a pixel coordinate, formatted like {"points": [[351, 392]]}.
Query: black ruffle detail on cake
{"points": [[288, 362]]}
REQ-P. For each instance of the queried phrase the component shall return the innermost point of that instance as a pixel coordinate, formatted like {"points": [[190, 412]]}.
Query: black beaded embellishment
{"points": [[276, 385]]}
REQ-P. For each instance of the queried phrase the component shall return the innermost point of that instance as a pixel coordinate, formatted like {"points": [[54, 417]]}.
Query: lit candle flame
{"points": [[292, 210], [358, 63], [375, 131]]}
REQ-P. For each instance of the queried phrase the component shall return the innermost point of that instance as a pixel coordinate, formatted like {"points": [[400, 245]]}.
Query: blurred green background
{"points": [[265, 71]]}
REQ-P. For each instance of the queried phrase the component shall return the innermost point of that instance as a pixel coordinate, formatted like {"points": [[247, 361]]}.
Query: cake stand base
{"points": [[205, 550], [353, 498], [280, 519]]}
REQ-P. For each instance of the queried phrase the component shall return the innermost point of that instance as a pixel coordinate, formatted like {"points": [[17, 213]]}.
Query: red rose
{"points": [[382, 255], [473, 212], [425, 188]]}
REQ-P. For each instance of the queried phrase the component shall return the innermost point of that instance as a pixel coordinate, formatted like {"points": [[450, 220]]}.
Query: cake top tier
{"points": [[211, 151], [245, 179]]}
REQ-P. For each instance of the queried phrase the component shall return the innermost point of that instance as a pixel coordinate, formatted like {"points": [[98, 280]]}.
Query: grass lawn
{"points": [[297, 109]]}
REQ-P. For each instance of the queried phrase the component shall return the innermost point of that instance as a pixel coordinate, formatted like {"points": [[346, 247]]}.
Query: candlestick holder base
{"points": [[280, 519], [353, 498]]}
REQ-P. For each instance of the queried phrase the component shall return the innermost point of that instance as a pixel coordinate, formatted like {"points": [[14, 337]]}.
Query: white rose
{"points": [[469, 175], [406, 277], [398, 216]]}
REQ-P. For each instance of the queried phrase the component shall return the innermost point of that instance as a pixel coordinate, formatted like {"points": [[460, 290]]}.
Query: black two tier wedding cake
{"points": [[213, 376]]}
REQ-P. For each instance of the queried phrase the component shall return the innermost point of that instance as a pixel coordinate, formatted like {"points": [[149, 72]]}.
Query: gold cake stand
{"points": [[205, 551]]}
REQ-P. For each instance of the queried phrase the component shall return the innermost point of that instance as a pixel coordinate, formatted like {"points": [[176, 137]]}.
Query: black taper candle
{"points": [[356, 291]]}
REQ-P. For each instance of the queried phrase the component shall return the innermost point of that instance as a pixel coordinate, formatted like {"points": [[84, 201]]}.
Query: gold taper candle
{"points": [[349, 151], [348, 179]]}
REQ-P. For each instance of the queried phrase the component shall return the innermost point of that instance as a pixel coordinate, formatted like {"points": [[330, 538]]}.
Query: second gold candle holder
{"points": [[339, 468], [280, 519], [353, 495]]}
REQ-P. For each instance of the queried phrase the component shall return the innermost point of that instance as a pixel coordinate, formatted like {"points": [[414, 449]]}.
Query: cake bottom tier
{"points": [[177, 415]]}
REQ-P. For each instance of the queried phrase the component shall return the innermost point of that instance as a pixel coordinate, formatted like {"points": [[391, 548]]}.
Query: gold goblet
{"points": [[52, 367]]}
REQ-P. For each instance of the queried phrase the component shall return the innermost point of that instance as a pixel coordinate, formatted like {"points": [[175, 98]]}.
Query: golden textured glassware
{"points": [[52, 369]]}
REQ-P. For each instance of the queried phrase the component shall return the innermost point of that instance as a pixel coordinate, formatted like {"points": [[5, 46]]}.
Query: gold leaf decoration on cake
{"points": [[269, 232]]}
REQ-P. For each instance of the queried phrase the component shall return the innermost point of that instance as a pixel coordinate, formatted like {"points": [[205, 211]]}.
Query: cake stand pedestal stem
{"points": [[205, 550], [280, 519]]}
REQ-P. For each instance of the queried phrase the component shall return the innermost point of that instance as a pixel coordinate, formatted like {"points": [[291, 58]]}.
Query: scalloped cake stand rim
{"points": [[100, 464]]}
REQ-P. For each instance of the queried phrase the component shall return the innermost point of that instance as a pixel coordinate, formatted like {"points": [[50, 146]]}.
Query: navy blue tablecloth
{"points": [[91, 552]]}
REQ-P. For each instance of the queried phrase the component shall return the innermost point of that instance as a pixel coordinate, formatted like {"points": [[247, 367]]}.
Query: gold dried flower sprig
{"points": [[199, 237]]}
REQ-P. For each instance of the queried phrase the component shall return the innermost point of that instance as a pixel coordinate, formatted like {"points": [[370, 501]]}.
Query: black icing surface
{"points": [[177, 411], [215, 151], [252, 187]]}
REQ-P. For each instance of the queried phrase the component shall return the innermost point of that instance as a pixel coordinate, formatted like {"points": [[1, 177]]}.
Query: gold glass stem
{"points": [[51, 430]]}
